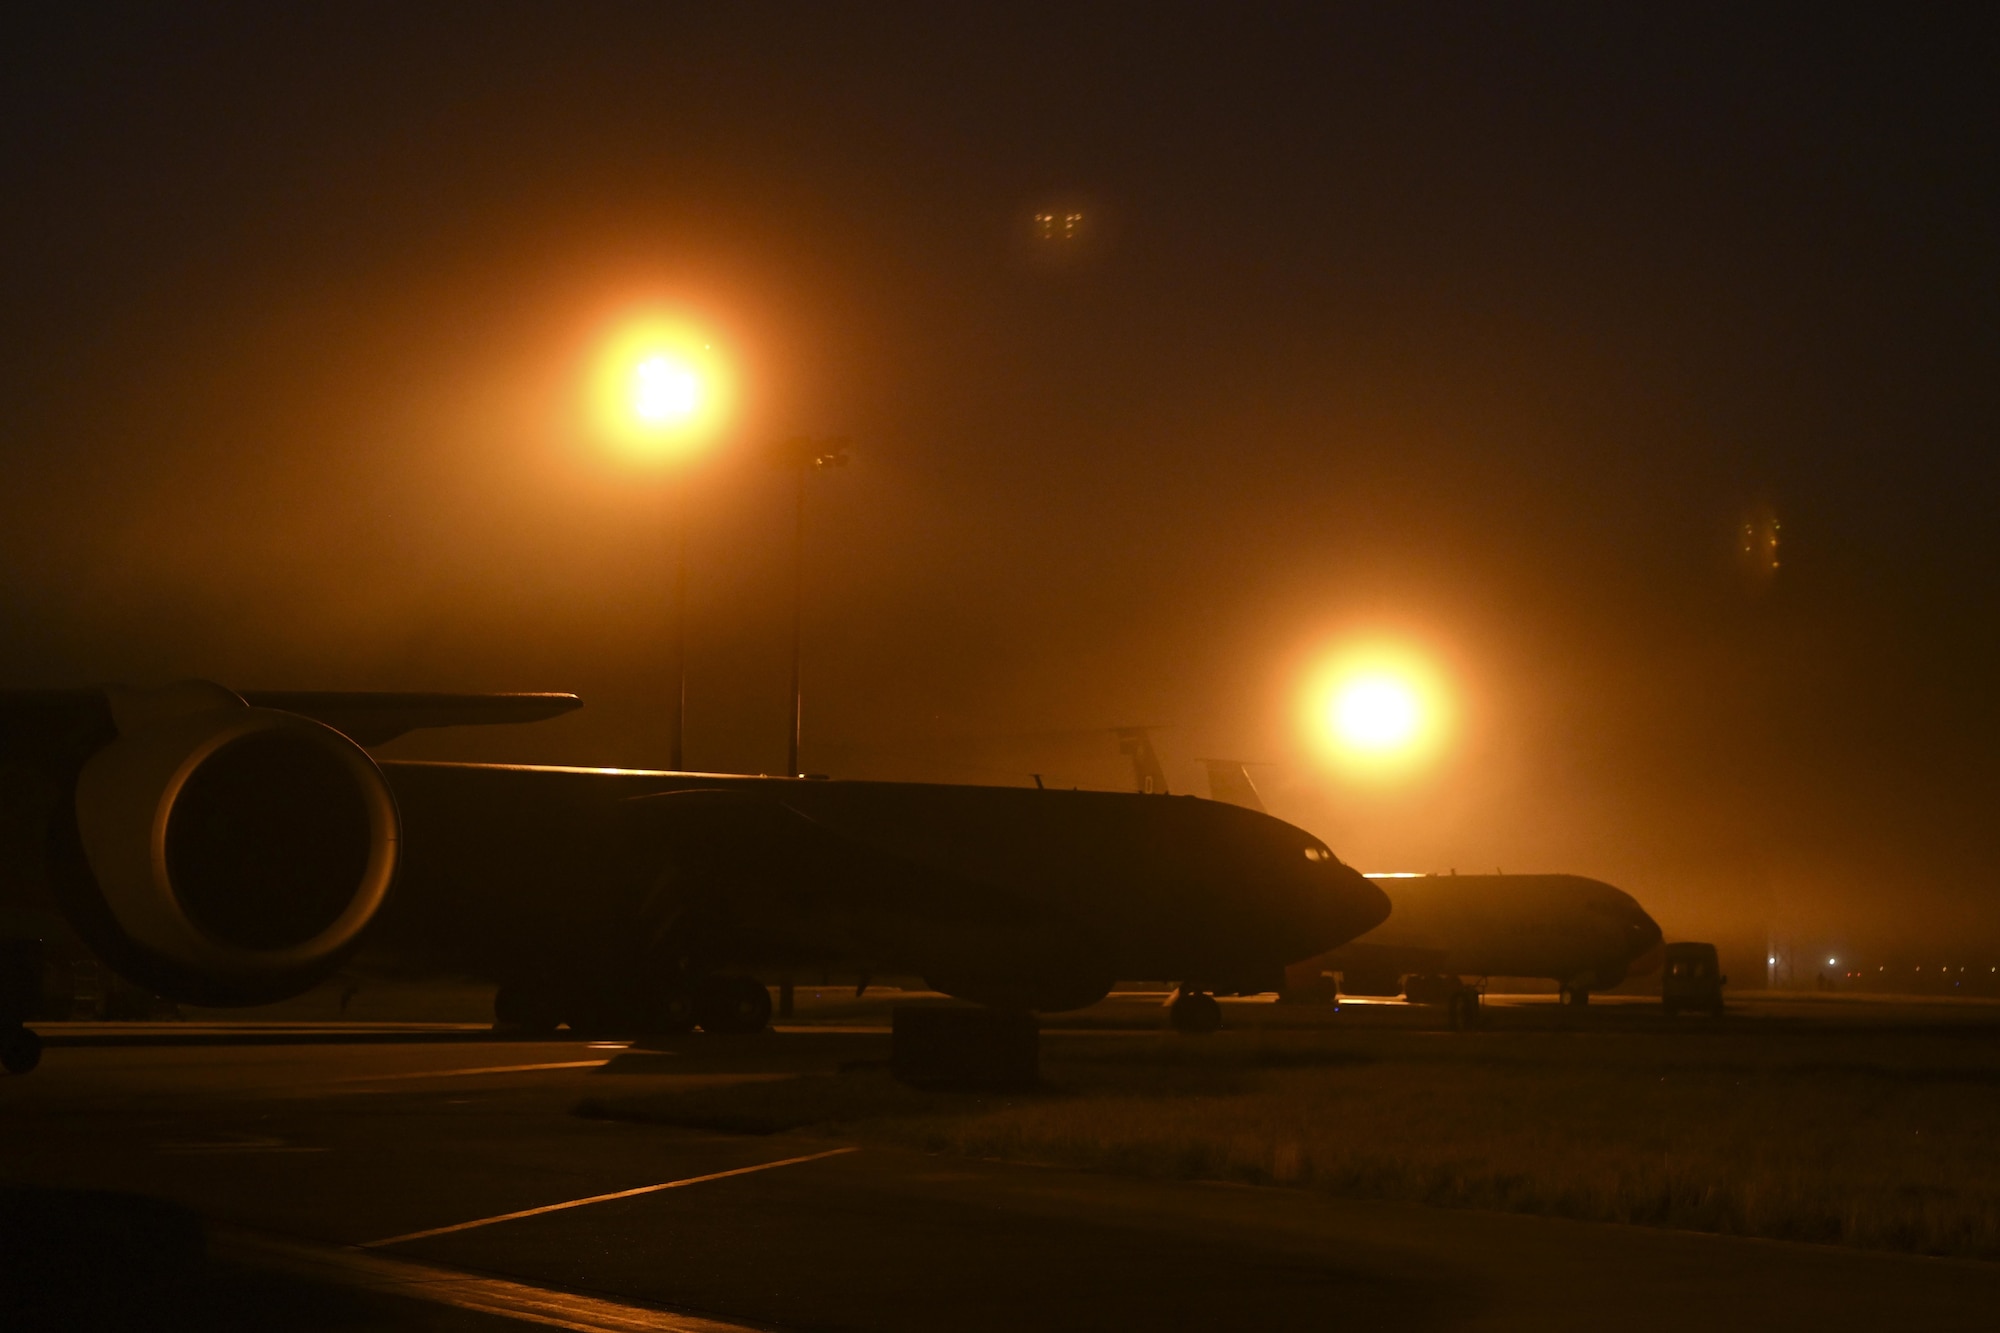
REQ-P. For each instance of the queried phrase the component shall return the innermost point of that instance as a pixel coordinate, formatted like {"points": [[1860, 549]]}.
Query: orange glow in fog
{"points": [[1376, 713], [666, 392], [659, 389], [1377, 709]]}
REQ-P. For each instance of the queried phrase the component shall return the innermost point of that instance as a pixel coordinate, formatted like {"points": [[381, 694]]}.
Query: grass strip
{"points": [[1883, 1142]]}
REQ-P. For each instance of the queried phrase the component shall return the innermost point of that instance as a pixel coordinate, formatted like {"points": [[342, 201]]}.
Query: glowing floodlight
{"points": [[659, 389], [1377, 709], [1377, 713], [665, 392]]}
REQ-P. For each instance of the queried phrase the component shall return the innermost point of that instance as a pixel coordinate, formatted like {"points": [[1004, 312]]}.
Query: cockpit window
{"points": [[1314, 854]]}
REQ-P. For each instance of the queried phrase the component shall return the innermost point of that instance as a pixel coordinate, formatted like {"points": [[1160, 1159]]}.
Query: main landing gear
{"points": [[1193, 1011], [732, 1006], [1574, 995]]}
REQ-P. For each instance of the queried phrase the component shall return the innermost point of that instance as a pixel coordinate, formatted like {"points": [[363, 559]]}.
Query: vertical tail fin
{"points": [[1147, 774]]}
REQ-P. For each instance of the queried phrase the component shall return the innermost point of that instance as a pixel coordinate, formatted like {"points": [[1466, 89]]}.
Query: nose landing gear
{"points": [[1193, 1011]]}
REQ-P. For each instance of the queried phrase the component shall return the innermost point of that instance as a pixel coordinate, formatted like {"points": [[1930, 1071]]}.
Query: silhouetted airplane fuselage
{"points": [[224, 850], [1009, 895], [1581, 933]]}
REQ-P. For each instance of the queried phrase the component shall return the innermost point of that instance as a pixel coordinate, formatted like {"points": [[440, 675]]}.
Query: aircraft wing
{"points": [[371, 718], [37, 721]]}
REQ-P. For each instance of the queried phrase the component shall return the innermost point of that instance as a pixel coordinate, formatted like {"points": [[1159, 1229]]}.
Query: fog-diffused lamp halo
{"points": [[1377, 711], [659, 390]]}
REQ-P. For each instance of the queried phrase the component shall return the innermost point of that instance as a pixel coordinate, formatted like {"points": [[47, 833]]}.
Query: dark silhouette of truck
{"points": [[1691, 978]]}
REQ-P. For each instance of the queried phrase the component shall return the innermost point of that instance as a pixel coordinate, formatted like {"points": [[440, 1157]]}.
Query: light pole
{"points": [[661, 393], [677, 747], [803, 455]]}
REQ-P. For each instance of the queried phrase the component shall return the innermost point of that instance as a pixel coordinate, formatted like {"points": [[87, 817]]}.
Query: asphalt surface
{"points": [[416, 1177]]}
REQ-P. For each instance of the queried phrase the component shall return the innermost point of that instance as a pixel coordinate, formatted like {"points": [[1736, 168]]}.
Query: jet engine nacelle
{"points": [[235, 854]]}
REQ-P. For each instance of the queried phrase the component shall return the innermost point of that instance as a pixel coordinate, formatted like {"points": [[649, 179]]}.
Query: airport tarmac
{"points": [[422, 1176]]}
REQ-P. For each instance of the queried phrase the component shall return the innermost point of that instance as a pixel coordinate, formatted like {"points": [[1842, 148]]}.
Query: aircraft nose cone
{"points": [[1648, 945], [1372, 906], [1352, 906]]}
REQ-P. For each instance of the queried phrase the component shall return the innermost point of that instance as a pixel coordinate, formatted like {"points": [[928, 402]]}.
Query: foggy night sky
{"points": [[1480, 327]]}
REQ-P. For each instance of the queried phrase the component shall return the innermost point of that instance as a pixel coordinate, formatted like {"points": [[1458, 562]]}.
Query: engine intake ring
{"points": [[244, 849]]}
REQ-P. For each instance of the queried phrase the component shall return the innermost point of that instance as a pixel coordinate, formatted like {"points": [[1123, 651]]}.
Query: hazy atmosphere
{"points": [[1495, 335]]}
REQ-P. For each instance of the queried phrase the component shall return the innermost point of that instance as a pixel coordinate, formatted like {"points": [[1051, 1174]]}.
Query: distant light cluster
{"points": [[1848, 974], [1055, 227], [1760, 543], [1757, 534]]}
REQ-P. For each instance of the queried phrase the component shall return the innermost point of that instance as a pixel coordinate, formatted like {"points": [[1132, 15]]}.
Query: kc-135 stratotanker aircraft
{"points": [[220, 848], [1582, 934]]}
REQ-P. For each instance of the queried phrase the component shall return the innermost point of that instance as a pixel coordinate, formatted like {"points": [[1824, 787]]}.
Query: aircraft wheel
{"points": [[1575, 995], [20, 1050], [1194, 1012], [1462, 1010], [731, 1006]]}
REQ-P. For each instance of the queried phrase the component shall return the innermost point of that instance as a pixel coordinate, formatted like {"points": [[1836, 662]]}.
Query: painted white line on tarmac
{"points": [[600, 1198], [349, 1267], [484, 1069]]}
